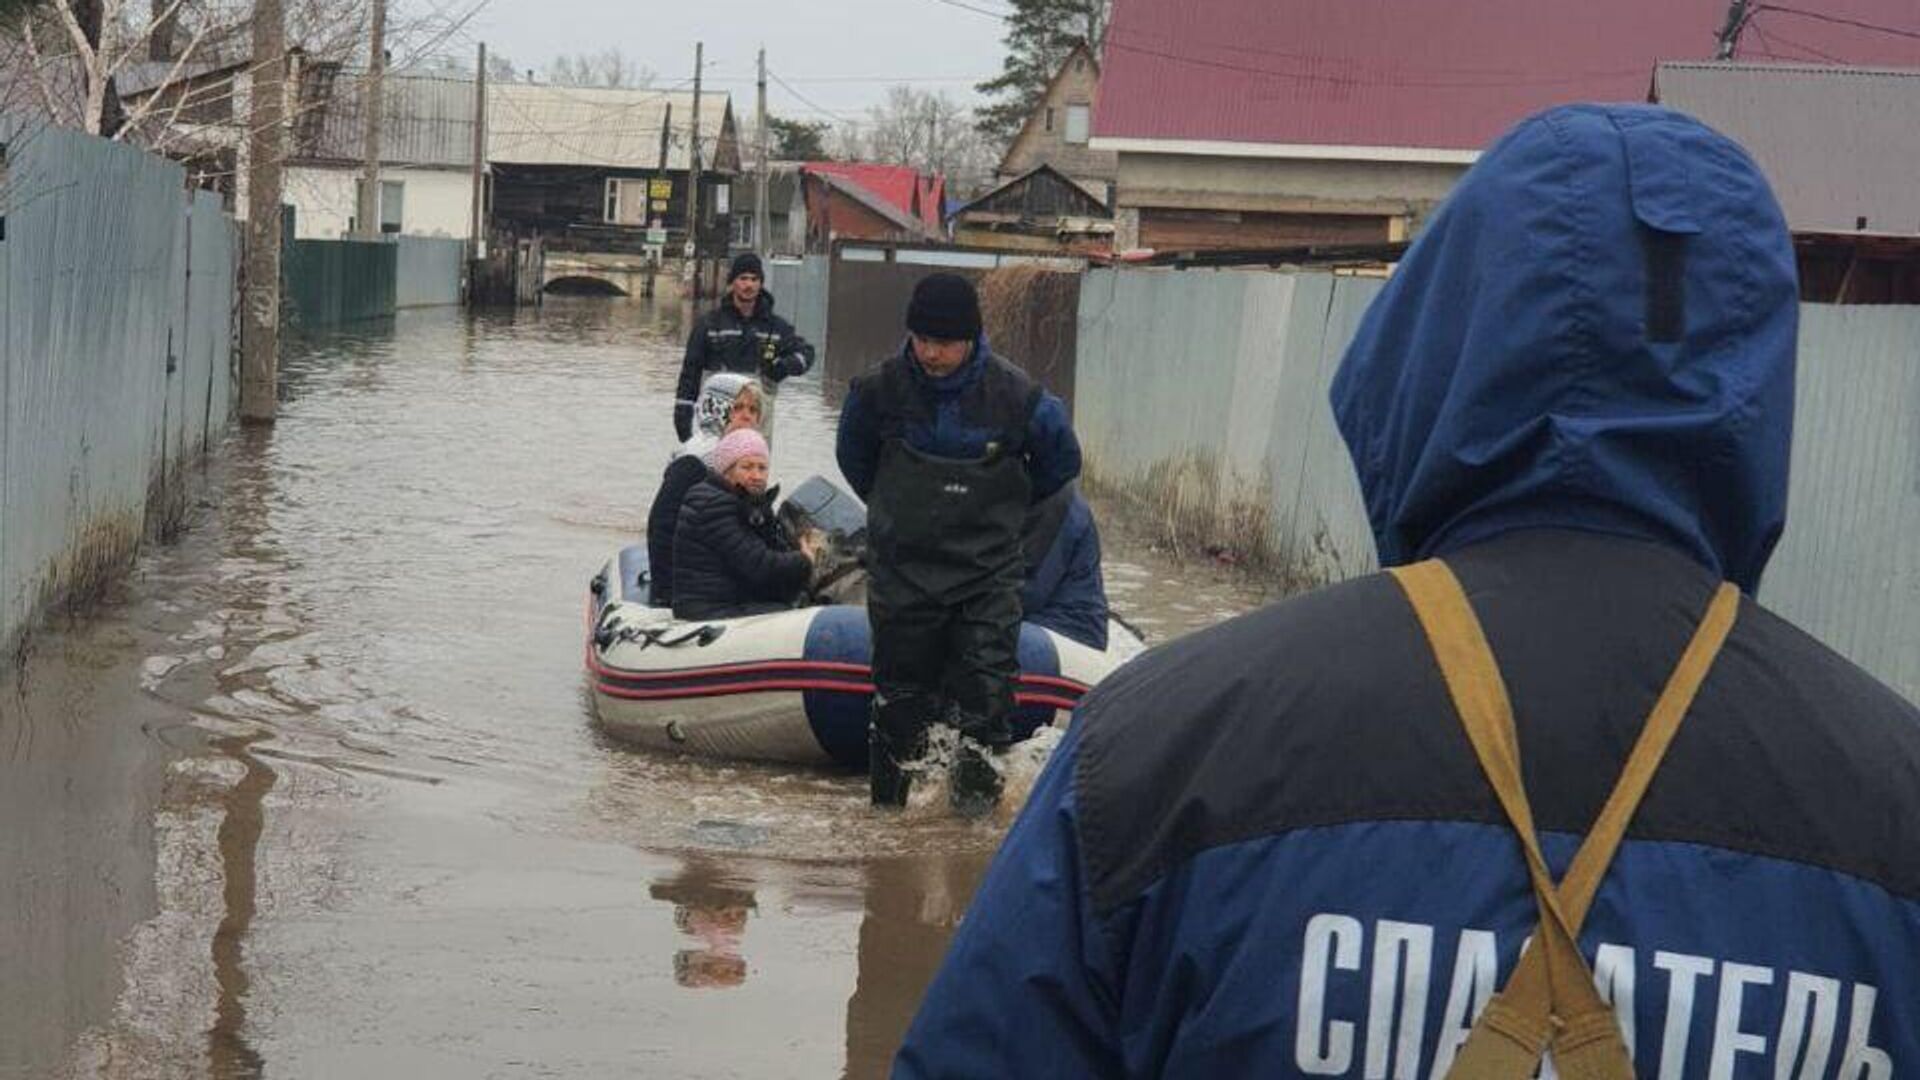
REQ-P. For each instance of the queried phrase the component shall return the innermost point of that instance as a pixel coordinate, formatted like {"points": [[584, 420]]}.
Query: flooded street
{"points": [[318, 792]]}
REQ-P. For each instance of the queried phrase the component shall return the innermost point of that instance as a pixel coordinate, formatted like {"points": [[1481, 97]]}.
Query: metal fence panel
{"points": [[799, 289], [1848, 568], [98, 305], [329, 282], [1181, 376], [428, 271]]}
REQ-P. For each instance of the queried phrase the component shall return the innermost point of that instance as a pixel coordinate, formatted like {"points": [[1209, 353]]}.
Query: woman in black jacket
{"points": [[727, 403], [731, 556]]}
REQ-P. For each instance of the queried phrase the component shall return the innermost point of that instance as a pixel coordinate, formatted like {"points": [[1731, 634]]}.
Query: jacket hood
{"points": [[1595, 331], [712, 409]]}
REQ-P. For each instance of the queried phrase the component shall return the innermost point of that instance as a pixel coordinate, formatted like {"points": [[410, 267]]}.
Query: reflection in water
{"points": [[232, 1058], [712, 911], [912, 906], [374, 634]]}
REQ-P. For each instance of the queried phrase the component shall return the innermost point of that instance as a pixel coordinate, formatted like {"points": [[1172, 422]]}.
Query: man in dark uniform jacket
{"points": [[742, 335], [1269, 849], [949, 445]]}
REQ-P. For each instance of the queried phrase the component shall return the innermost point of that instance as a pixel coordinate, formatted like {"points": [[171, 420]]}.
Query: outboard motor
{"points": [[841, 519]]}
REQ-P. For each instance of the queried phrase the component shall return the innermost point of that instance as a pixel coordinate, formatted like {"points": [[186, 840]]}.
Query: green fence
{"points": [[338, 281]]}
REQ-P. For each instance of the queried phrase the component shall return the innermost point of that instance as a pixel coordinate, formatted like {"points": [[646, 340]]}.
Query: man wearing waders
{"points": [[1312, 841], [948, 444], [741, 335]]}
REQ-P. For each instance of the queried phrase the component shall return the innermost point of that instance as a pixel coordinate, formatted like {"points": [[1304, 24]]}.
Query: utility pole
{"points": [[760, 239], [476, 240], [1737, 16], [260, 329], [367, 213], [693, 175]]}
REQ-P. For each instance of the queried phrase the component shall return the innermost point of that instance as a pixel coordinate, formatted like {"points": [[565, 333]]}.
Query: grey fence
{"points": [[1203, 396], [429, 271], [117, 324], [799, 289]]}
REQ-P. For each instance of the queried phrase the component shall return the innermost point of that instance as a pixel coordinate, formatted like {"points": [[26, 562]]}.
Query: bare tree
{"points": [[156, 52], [925, 129], [73, 51], [607, 68]]}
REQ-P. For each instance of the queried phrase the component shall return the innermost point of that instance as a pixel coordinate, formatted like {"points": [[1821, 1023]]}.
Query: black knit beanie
{"points": [[944, 306], [745, 263]]}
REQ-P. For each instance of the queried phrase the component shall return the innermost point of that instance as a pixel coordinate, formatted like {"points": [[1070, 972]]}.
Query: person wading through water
{"points": [[741, 335], [949, 445]]}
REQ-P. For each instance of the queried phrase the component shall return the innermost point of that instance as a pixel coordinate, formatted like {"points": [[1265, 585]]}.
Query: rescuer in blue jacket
{"points": [[949, 445], [1272, 849], [1066, 592]]}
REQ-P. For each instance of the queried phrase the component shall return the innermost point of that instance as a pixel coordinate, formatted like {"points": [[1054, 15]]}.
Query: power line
{"points": [[909, 79], [808, 102], [1820, 16], [1767, 40], [995, 15]]}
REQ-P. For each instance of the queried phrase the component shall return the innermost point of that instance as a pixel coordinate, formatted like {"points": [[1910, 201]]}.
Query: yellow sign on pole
{"points": [[660, 189]]}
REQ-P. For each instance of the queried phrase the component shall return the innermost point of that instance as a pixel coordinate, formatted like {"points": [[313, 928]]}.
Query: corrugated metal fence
{"points": [[428, 272], [1848, 569], [1204, 395], [799, 289], [338, 281], [116, 343]]}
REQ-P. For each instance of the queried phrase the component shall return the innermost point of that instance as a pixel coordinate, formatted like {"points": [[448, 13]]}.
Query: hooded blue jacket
{"points": [[1266, 849], [1065, 590]]}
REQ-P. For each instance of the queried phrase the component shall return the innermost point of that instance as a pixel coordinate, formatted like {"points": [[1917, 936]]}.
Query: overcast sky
{"points": [[819, 46]]}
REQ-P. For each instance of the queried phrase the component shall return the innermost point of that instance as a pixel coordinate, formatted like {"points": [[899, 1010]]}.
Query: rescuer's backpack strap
{"points": [[1550, 1002]]}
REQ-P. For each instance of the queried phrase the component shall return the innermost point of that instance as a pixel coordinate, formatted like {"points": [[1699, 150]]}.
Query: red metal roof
{"points": [[1435, 75], [900, 186]]}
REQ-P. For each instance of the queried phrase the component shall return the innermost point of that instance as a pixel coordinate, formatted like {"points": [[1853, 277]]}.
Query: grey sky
{"points": [[933, 44]]}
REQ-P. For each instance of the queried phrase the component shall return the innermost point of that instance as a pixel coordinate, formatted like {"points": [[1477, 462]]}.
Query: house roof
{"points": [[425, 121], [1095, 201], [1837, 144], [1432, 81], [919, 198], [576, 125], [886, 208]]}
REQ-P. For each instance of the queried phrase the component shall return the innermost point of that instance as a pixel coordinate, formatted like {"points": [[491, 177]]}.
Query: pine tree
{"points": [[1040, 34]]}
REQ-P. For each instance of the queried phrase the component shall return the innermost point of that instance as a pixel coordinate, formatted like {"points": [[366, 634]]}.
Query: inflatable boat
{"points": [[791, 686]]}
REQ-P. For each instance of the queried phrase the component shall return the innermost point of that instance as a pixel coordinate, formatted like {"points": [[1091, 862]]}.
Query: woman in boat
{"points": [[728, 402], [731, 556]]}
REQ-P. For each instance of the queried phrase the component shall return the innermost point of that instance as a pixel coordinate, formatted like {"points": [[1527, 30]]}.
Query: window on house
{"points": [[1049, 118], [393, 196], [723, 199], [626, 202], [743, 230], [1078, 117]]}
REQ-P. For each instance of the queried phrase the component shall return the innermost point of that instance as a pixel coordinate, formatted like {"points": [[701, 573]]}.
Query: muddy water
{"points": [[318, 794]]}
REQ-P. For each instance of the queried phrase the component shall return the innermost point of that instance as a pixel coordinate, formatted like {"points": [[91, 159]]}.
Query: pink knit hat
{"points": [[744, 442]]}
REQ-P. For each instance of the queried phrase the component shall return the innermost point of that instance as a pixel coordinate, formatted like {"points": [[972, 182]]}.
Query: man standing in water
{"points": [[949, 444], [741, 335]]}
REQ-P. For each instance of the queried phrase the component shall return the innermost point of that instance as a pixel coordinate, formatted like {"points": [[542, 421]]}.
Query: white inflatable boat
{"points": [[792, 686]]}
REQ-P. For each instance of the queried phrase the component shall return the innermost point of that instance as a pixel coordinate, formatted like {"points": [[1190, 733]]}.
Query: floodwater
{"points": [[317, 793]]}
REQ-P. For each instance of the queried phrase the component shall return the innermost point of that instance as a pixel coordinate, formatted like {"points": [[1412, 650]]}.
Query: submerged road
{"points": [[317, 793]]}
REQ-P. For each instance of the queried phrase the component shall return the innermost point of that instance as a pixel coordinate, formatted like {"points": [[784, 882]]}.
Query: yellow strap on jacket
{"points": [[1550, 1002]]}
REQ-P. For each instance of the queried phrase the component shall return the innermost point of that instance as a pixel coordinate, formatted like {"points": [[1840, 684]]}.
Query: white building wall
{"points": [[437, 202]]}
